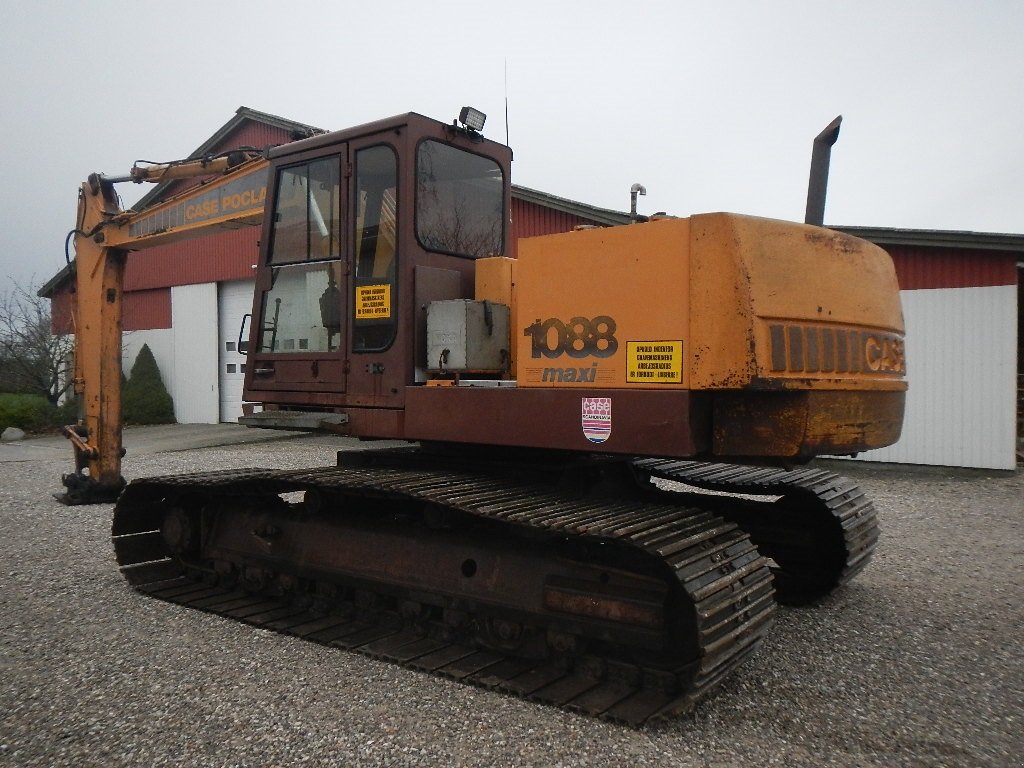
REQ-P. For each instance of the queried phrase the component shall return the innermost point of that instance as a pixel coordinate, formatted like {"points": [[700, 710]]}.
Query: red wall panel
{"points": [[937, 267], [250, 134], [530, 220], [141, 310], [223, 255], [145, 310], [60, 311]]}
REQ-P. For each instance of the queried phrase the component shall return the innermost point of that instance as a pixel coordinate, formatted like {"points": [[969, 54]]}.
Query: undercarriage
{"points": [[587, 584]]}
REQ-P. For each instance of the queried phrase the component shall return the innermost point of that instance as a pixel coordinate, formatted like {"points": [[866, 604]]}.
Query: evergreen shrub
{"points": [[145, 399]]}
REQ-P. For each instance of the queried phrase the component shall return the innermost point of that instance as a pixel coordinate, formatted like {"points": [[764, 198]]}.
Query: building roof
{"points": [[937, 238], [242, 114], [51, 286], [583, 210]]}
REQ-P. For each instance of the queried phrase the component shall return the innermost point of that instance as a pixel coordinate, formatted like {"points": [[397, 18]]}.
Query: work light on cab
{"points": [[472, 119]]}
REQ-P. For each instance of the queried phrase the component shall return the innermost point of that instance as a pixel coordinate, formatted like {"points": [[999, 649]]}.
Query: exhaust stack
{"points": [[817, 185], [636, 189]]}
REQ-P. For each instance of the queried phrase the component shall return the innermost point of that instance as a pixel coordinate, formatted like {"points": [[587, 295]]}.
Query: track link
{"points": [[711, 567], [820, 532]]}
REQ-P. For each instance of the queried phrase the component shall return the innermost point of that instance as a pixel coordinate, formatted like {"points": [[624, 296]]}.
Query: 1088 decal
{"points": [[580, 337]]}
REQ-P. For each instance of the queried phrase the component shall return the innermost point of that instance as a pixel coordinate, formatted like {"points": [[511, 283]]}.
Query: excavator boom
{"points": [[102, 239]]}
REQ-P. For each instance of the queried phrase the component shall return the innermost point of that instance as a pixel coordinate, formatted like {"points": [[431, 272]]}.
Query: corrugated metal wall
{"points": [[530, 220], [227, 255], [216, 257], [144, 310], [941, 267], [962, 366], [961, 313], [249, 134], [193, 380], [60, 310]]}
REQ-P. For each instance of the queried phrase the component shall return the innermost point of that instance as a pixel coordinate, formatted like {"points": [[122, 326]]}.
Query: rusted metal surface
{"points": [[675, 586], [668, 423], [818, 527], [803, 424], [98, 275]]}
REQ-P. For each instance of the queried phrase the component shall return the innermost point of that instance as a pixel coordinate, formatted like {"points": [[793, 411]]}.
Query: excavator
{"points": [[603, 492]]}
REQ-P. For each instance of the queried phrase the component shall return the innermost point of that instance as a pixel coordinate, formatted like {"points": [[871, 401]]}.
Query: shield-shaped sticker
{"points": [[597, 418]]}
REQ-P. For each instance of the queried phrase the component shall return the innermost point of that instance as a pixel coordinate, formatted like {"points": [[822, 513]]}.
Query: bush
{"points": [[28, 412], [145, 399]]}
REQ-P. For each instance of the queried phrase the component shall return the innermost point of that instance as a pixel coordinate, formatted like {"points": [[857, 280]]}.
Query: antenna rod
{"points": [[817, 185]]}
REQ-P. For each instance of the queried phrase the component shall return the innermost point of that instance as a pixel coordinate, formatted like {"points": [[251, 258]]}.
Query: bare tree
{"points": [[32, 358]]}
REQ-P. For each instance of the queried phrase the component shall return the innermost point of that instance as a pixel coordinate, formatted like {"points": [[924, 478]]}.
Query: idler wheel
{"points": [[177, 531]]}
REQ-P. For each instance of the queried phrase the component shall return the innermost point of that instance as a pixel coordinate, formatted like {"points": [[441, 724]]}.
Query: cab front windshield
{"points": [[459, 201]]}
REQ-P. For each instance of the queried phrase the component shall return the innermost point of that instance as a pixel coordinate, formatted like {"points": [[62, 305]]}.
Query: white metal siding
{"points": [[961, 364], [194, 380], [234, 303]]}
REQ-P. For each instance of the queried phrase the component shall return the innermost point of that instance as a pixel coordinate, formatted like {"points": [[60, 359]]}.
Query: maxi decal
{"points": [[373, 302]]}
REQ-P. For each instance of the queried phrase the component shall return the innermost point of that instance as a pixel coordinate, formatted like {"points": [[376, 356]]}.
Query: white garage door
{"points": [[235, 301]]}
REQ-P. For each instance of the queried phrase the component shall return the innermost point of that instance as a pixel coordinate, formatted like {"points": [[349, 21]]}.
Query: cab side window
{"points": [[375, 248], [302, 309]]}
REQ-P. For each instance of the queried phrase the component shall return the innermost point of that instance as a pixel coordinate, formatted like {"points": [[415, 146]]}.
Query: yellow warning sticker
{"points": [[654, 362], [373, 302]]}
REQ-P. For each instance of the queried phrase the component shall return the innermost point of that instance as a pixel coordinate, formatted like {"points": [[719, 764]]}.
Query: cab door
{"points": [[300, 327], [380, 363]]}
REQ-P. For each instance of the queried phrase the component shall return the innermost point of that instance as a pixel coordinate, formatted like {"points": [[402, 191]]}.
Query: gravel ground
{"points": [[917, 663]]}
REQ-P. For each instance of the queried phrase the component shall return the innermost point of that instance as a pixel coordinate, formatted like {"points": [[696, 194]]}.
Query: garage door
{"points": [[235, 301]]}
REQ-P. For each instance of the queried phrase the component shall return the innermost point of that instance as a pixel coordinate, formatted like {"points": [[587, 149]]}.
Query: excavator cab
{"points": [[365, 228]]}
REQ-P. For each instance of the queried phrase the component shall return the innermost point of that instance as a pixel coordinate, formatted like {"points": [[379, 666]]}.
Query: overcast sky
{"points": [[710, 105]]}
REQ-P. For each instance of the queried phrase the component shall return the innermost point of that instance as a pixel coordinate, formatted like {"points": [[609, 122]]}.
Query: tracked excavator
{"points": [[604, 493]]}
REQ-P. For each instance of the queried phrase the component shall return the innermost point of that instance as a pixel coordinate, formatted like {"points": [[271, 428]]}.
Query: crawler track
{"points": [[820, 530], [718, 603]]}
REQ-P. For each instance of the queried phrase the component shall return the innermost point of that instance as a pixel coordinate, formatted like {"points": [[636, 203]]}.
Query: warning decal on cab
{"points": [[373, 302], [654, 362]]}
